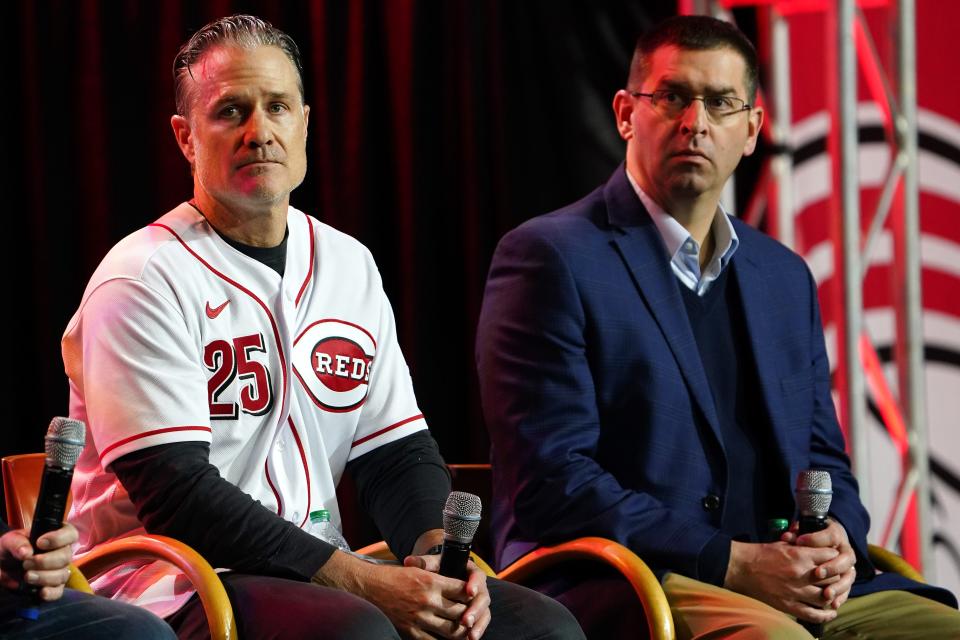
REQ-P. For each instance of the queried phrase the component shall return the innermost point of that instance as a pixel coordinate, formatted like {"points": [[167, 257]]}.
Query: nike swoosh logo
{"points": [[213, 312]]}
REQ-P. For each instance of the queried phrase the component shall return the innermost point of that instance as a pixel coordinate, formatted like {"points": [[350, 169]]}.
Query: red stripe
{"points": [[306, 470], [939, 291], [349, 324], [273, 324], [357, 443], [147, 434], [266, 470], [310, 271]]}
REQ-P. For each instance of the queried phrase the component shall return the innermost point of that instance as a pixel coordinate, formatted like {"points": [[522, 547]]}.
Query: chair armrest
{"points": [[635, 570], [213, 596], [887, 560], [77, 581], [381, 551]]}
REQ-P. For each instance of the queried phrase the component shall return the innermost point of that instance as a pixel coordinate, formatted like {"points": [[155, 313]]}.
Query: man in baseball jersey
{"points": [[233, 359]]}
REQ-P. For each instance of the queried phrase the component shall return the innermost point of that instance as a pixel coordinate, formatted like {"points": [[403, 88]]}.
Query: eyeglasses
{"points": [[672, 104]]}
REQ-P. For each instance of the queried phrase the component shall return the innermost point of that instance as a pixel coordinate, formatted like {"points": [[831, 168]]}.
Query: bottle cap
{"points": [[321, 515], [778, 525]]}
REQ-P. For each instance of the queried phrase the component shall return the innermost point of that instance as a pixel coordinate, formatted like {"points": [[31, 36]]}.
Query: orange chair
{"points": [[21, 484]]}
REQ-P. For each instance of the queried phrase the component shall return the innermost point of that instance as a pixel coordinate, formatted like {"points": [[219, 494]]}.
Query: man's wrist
{"points": [[740, 553], [340, 571], [427, 541]]}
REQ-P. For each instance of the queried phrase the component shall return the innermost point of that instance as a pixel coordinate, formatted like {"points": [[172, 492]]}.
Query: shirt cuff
{"points": [[713, 560]]}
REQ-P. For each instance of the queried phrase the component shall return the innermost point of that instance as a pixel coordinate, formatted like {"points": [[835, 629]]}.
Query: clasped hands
{"points": [[418, 601], [806, 576]]}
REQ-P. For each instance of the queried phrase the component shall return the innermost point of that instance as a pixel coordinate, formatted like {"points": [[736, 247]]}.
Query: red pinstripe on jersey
{"points": [[306, 469], [147, 434], [373, 435], [306, 280], [276, 494]]}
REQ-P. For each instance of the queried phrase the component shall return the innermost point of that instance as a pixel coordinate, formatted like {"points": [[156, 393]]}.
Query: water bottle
{"points": [[321, 527]]}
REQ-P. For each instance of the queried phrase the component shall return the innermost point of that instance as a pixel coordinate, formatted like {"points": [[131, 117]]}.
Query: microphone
{"points": [[63, 443], [461, 517], [814, 492]]}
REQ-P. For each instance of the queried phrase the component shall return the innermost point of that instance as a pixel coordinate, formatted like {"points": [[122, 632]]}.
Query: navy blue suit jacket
{"points": [[600, 415]]}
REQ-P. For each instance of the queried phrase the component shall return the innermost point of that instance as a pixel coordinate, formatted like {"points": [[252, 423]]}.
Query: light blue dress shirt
{"points": [[684, 251]]}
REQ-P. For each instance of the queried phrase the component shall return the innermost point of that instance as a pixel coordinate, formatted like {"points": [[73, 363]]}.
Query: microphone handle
{"points": [[811, 524], [51, 501], [453, 559]]}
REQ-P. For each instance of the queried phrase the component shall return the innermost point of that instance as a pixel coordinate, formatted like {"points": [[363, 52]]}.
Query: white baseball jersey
{"points": [[180, 337]]}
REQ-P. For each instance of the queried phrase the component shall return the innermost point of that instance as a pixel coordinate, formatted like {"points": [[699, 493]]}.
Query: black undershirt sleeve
{"points": [[178, 493], [403, 486]]}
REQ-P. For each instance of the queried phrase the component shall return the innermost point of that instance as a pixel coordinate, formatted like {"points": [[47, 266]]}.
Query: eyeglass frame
{"points": [[690, 97]]}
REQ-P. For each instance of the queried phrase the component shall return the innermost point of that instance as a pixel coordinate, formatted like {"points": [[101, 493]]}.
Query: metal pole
{"points": [[853, 291], [883, 208], [912, 383], [782, 163]]}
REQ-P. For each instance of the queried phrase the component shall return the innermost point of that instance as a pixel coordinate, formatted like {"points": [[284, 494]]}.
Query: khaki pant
{"points": [[704, 611]]}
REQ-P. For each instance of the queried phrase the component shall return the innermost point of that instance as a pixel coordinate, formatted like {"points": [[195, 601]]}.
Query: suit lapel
{"points": [[755, 300], [641, 248]]}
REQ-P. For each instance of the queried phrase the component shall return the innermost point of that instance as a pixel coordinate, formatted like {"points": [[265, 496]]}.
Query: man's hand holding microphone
{"points": [[808, 573]]}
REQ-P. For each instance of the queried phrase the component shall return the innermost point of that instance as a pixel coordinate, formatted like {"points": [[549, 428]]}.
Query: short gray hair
{"points": [[244, 31]]}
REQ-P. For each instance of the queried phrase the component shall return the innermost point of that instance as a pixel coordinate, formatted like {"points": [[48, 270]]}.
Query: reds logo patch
{"points": [[333, 359]]}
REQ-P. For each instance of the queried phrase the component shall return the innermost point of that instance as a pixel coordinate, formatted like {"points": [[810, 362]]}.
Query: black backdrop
{"points": [[435, 127]]}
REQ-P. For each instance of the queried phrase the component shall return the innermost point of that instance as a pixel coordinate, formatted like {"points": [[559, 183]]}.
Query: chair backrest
{"points": [[21, 486]]}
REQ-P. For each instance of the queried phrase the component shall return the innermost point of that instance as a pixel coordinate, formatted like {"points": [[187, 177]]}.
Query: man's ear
{"points": [[623, 104], [306, 120], [184, 135], [753, 130]]}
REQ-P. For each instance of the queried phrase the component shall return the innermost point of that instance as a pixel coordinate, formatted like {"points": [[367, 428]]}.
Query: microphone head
{"points": [[814, 492], [461, 516], [64, 442]]}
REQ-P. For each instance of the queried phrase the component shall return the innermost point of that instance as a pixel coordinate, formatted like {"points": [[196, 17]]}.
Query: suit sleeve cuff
{"points": [[713, 560]]}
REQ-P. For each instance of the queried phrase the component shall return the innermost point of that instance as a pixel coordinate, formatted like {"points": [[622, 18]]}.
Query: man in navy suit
{"points": [[652, 370]]}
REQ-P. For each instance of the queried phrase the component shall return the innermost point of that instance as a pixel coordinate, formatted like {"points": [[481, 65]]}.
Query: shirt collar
{"points": [[675, 235]]}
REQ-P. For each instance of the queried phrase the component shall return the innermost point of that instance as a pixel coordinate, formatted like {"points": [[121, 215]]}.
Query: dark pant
{"points": [[79, 616], [603, 602], [277, 608]]}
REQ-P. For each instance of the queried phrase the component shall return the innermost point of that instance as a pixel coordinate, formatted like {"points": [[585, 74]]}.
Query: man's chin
{"points": [[265, 191], [689, 186]]}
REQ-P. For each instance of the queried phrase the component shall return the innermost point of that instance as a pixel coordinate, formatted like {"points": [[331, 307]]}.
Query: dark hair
{"points": [[696, 33], [247, 32]]}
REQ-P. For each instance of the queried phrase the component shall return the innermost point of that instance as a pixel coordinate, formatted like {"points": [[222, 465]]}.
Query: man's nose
{"points": [[694, 118], [258, 130]]}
